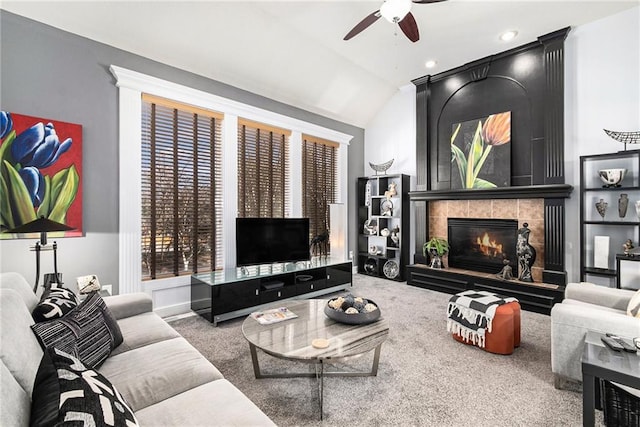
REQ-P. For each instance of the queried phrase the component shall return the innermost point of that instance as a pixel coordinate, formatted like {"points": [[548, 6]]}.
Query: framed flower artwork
{"points": [[481, 152], [40, 173]]}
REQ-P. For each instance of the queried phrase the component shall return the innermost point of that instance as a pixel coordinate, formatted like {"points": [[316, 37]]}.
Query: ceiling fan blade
{"points": [[363, 25], [427, 1], [409, 27]]}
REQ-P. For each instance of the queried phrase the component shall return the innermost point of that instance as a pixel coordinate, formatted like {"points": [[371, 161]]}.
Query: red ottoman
{"points": [[505, 330]]}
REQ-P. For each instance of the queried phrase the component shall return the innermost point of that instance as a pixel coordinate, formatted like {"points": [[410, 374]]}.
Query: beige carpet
{"points": [[425, 377]]}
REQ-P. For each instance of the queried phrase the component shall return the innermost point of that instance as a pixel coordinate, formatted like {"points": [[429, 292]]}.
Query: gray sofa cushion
{"points": [[128, 305], [598, 295], [15, 403], [18, 283], [150, 374], [21, 352], [589, 306], [143, 329], [197, 407]]}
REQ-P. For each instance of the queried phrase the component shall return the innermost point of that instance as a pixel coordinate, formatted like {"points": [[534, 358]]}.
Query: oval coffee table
{"points": [[291, 339]]}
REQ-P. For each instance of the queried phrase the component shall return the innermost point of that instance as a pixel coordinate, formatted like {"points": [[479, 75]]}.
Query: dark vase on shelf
{"points": [[526, 254], [601, 207], [623, 203]]}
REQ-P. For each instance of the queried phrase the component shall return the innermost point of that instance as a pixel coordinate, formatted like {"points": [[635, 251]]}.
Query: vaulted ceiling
{"points": [[294, 52]]}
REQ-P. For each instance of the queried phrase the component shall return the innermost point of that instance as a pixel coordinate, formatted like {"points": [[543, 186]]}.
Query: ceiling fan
{"points": [[396, 12]]}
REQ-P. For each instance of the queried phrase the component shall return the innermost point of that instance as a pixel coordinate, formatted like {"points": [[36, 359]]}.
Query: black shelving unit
{"points": [[391, 255], [619, 229]]}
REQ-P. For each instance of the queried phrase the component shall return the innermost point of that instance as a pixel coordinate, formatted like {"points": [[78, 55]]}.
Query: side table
{"points": [[600, 362]]}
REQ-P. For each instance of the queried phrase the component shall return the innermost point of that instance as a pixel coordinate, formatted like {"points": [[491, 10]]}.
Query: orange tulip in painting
{"points": [[470, 152], [497, 129]]}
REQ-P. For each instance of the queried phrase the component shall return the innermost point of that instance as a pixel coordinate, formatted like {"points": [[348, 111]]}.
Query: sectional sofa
{"points": [[164, 380]]}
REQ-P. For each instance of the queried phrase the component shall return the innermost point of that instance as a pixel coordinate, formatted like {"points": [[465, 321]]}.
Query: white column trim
{"points": [[130, 258], [295, 171], [230, 187]]}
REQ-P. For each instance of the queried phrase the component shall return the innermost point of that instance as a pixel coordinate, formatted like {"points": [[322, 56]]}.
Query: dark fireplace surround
{"points": [[529, 82]]}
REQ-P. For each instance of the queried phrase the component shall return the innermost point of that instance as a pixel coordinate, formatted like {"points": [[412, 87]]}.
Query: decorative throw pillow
{"points": [[633, 309], [56, 302], [88, 332], [66, 392]]}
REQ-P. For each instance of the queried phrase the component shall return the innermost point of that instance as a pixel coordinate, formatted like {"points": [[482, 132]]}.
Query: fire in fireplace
{"points": [[489, 247], [481, 244]]}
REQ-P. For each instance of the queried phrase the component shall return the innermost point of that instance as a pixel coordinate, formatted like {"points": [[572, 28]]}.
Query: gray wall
{"points": [[50, 73]]}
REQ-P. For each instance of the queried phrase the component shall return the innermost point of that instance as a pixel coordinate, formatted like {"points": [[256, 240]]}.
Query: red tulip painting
{"points": [[481, 152], [40, 173]]}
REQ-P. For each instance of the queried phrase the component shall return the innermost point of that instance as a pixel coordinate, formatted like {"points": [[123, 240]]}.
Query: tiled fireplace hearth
{"points": [[521, 211]]}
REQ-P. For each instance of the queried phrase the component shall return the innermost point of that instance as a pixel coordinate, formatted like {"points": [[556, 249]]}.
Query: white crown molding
{"points": [[155, 86]]}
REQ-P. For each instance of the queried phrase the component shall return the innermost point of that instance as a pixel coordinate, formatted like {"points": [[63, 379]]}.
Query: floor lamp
{"points": [[42, 225]]}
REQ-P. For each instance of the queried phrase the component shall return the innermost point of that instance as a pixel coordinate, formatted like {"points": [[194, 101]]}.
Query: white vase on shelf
{"points": [[638, 208]]}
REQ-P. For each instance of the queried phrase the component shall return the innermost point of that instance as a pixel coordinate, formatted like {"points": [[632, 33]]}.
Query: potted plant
{"points": [[436, 248]]}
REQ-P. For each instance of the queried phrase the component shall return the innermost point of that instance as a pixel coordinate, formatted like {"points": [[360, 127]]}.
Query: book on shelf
{"points": [[267, 317]]}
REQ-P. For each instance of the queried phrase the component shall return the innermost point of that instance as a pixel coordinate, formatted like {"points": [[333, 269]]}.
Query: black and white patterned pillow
{"points": [[66, 392], [88, 332], [56, 301]]}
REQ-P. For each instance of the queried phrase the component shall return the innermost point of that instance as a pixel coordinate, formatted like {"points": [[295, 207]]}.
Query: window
{"points": [[131, 86], [181, 189], [263, 170], [319, 181]]}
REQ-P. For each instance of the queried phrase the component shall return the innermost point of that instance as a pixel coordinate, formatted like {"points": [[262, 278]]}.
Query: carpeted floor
{"points": [[425, 378]]}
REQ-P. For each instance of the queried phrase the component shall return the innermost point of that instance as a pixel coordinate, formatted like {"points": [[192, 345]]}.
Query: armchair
{"points": [[586, 307]]}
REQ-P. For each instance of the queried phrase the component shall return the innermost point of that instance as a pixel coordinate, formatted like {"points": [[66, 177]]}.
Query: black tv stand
{"points": [[231, 293], [270, 285]]}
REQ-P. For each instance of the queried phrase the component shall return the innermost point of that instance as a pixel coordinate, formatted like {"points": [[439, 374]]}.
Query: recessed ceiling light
{"points": [[430, 63], [508, 35]]}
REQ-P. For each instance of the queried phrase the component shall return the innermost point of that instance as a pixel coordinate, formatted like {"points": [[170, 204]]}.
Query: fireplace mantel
{"points": [[551, 191]]}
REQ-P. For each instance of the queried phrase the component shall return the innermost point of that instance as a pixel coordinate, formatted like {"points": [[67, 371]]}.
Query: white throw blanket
{"points": [[470, 314]]}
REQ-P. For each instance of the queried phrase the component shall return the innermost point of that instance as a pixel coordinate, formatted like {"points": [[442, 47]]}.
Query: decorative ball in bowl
{"points": [[612, 177], [352, 310]]}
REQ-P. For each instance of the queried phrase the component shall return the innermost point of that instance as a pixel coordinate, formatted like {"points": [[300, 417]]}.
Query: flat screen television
{"points": [[271, 240]]}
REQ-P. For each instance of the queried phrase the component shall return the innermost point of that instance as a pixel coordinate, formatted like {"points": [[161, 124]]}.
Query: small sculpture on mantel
{"points": [[507, 272], [628, 245], [526, 254]]}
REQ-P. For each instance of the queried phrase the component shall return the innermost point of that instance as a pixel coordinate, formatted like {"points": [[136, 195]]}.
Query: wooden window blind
{"points": [[181, 189], [263, 170], [319, 178]]}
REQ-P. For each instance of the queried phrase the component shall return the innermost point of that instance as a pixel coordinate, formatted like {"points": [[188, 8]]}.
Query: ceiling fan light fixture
{"points": [[508, 35], [394, 11]]}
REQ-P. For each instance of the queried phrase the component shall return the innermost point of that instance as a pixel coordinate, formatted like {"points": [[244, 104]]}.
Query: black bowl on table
{"points": [[352, 319]]}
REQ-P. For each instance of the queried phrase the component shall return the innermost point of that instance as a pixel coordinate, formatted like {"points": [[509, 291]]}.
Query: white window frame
{"points": [[131, 85]]}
